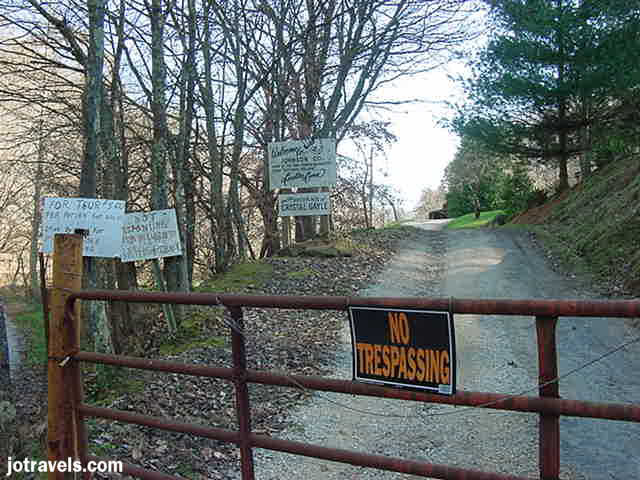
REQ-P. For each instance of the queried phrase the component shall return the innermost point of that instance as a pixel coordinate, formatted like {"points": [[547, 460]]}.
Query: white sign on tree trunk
{"points": [[102, 218], [147, 235], [302, 163], [300, 204]]}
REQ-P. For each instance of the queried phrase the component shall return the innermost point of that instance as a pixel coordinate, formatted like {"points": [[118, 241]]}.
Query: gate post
{"points": [[243, 410], [549, 435], [63, 339]]}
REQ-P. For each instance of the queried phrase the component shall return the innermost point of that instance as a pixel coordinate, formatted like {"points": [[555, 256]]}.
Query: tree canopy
{"points": [[553, 76]]}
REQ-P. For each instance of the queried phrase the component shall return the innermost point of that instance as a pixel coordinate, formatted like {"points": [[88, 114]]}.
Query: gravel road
{"points": [[495, 354]]}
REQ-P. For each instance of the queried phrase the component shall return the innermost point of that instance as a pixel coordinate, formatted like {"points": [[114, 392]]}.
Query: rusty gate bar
{"points": [[571, 408], [334, 454], [243, 411], [549, 427], [160, 423], [519, 403], [547, 404], [380, 462], [548, 308], [156, 365]]}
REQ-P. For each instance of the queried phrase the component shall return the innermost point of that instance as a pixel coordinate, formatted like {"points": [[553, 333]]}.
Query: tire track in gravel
{"points": [[335, 420]]}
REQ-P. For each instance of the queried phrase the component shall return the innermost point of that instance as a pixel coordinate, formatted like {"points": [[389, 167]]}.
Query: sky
{"points": [[424, 148]]}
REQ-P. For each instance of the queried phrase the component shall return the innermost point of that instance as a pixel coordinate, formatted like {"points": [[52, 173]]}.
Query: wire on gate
{"points": [[455, 409], [542, 385], [465, 409]]}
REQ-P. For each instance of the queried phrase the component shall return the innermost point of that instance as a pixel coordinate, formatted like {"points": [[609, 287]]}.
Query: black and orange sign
{"points": [[404, 348]]}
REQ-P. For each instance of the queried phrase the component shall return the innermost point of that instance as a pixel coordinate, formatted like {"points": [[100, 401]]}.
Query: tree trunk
{"points": [[181, 151], [585, 143], [159, 149], [216, 199], [271, 238], [91, 113], [325, 225], [563, 159], [396, 217], [36, 220]]}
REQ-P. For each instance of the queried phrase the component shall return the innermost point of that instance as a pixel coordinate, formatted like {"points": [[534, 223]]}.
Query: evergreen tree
{"points": [[552, 71]]}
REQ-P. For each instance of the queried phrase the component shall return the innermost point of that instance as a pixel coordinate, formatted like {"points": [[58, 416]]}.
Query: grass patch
{"points": [[239, 277], [470, 221], [305, 272], [194, 331], [395, 225], [178, 346], [107, 383], [594, 229], [32, 324]]}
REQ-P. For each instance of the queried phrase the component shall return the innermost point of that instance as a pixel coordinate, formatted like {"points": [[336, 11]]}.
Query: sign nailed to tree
{"points": [[147, 235], [300, 204], [404, 348], [302, 163], [101, 218]]}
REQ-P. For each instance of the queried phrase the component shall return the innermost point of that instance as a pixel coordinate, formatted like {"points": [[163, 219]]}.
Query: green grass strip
{"points": [[31, 324], [470, 221]]}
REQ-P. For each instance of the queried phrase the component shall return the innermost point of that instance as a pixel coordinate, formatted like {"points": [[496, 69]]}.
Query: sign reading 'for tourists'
{"points": [[404, 348], [302, 163], [102, 219]]}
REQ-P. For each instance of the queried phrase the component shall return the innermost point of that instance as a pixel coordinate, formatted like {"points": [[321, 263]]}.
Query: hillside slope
{"points": [[595, 227]]}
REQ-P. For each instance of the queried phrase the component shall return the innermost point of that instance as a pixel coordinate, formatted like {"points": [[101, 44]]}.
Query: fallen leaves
{"points": [[279, 340]]}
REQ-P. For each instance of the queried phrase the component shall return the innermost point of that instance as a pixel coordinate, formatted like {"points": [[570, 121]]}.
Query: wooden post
{"points": [[549, 436], [64, 339]]}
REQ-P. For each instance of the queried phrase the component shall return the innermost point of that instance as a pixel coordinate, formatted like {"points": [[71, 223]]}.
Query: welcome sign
{"points": [[302, 163]]}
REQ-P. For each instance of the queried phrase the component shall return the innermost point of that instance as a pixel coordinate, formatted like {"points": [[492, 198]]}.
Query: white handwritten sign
{"points": [[300, 204], [148, 235], [102, 218], [302, 163]]}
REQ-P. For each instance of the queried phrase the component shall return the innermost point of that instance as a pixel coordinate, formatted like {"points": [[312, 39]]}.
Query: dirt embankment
{"points": [[593, 229]]}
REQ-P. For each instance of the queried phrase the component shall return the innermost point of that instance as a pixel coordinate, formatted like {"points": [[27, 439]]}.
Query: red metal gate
{"points": [[73, 442]]}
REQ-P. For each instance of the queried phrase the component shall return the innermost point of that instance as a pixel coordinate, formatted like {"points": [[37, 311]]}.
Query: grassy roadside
{"points": [[594, 229], [31, 323], [470, 221], [24, 436]]}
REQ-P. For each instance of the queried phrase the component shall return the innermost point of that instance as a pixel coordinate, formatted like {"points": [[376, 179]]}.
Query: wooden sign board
{"points": [[300, 204], [302, 163], [147, 235], [100, 217], [404, 348]]}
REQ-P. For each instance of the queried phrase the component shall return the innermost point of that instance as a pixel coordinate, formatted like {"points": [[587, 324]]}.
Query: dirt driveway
{"points": [[495, 354], [504, 264]]}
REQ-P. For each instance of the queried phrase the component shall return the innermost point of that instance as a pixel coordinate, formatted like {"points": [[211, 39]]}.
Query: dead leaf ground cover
{"points": [[283, 341]]}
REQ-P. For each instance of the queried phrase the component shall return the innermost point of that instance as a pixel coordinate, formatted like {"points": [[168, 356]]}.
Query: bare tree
{"points": [[336, 56]]}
